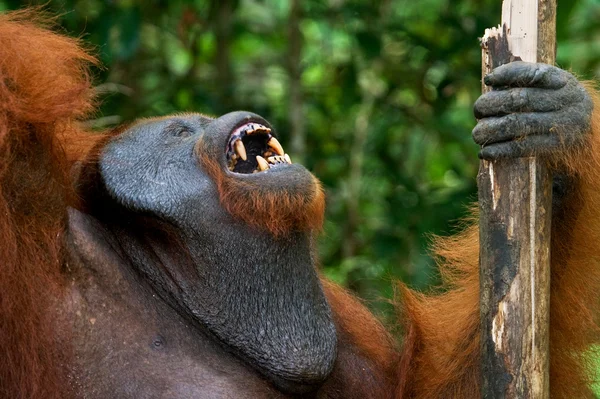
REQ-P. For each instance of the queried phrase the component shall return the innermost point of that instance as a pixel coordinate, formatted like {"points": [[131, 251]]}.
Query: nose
{"points": [[226, 124]]}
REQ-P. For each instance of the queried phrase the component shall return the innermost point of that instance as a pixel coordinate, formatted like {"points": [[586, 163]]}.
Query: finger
{"points": [[531, 145], [502, 102], [526, 74], [567, 124]]}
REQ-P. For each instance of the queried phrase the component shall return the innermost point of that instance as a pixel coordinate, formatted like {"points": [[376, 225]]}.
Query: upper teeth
{"points": [[252, 128], [275, 145], [274, 152], [240, 149]]}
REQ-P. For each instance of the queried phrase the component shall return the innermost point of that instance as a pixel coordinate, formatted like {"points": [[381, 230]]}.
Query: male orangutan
{"points": [[174, 258]]}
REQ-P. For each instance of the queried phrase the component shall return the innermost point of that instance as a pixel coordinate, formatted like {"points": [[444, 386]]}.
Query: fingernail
{"points": [[487, 79]]}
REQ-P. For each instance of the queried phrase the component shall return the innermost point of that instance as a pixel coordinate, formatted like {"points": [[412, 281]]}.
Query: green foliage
{"points": [[386, 94]]}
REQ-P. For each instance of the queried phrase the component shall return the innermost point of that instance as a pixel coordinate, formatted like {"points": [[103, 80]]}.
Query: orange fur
{"points": [[442, 357], [361, 334], [278, 213], [44, 88], [355, 320]]}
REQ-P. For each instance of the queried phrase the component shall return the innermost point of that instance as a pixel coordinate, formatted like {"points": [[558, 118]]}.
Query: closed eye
{"points": [[179, 129]]}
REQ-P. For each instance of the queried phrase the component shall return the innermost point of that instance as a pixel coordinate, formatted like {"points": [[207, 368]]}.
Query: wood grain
{"points": [[515, 200]]}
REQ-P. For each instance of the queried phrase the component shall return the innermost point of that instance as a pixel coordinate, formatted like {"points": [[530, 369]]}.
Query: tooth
{"points": [[262, 163], [240, 149], [275, 145], [287, 158]]}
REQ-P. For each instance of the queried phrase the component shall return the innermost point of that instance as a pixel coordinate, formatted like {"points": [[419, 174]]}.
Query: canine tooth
{"points": [[275, 145], [240, 149], [287, 158], [262, 163]]}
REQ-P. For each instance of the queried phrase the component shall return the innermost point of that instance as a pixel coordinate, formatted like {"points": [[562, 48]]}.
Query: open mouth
{"points": [[252, 148]]}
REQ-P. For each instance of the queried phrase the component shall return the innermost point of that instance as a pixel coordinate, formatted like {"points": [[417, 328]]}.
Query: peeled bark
{"points": [[515, 200]]}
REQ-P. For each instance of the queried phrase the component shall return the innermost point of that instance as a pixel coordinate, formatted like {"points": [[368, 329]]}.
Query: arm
{"points": [[532, 109], [367, 355], [43, 89]]}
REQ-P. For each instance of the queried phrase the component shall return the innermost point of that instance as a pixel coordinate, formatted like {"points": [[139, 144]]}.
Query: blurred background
{"points": [[374, 97]]}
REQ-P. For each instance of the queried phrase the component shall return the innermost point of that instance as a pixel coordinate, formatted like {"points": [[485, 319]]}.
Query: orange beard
{"points": [[278, 212]]}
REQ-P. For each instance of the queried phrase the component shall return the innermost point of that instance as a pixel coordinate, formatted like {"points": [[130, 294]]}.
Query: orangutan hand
{"points": [[532, 109]]}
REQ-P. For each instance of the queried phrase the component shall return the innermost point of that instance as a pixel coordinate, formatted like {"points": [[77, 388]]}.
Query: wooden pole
{"points": [[515, 201]]}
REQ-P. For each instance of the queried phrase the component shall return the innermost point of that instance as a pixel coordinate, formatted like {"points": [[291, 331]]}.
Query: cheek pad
{"points": [[144, 177]]}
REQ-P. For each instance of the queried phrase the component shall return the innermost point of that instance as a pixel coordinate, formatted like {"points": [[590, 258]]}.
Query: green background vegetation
{"points": [[373, 96]]}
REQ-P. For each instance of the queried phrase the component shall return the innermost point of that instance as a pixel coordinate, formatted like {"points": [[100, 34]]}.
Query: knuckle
{"points": [[483, 132], [477, 133], [480, 105], [518, 98], [510, 120], [491, 130], [491, 152], [540, 74]]}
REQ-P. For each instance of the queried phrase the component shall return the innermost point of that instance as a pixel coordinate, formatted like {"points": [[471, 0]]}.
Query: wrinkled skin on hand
{"points": [[532, 109]]}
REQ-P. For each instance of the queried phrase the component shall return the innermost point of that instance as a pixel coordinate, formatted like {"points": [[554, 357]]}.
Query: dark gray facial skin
{"points": [[256, 294]]}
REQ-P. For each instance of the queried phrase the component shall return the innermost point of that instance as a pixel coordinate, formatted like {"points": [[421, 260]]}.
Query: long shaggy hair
{"points": [[44, 89]]}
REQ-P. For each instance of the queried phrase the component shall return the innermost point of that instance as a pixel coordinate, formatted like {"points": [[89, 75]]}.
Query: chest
{"points": [[127, 348]]}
